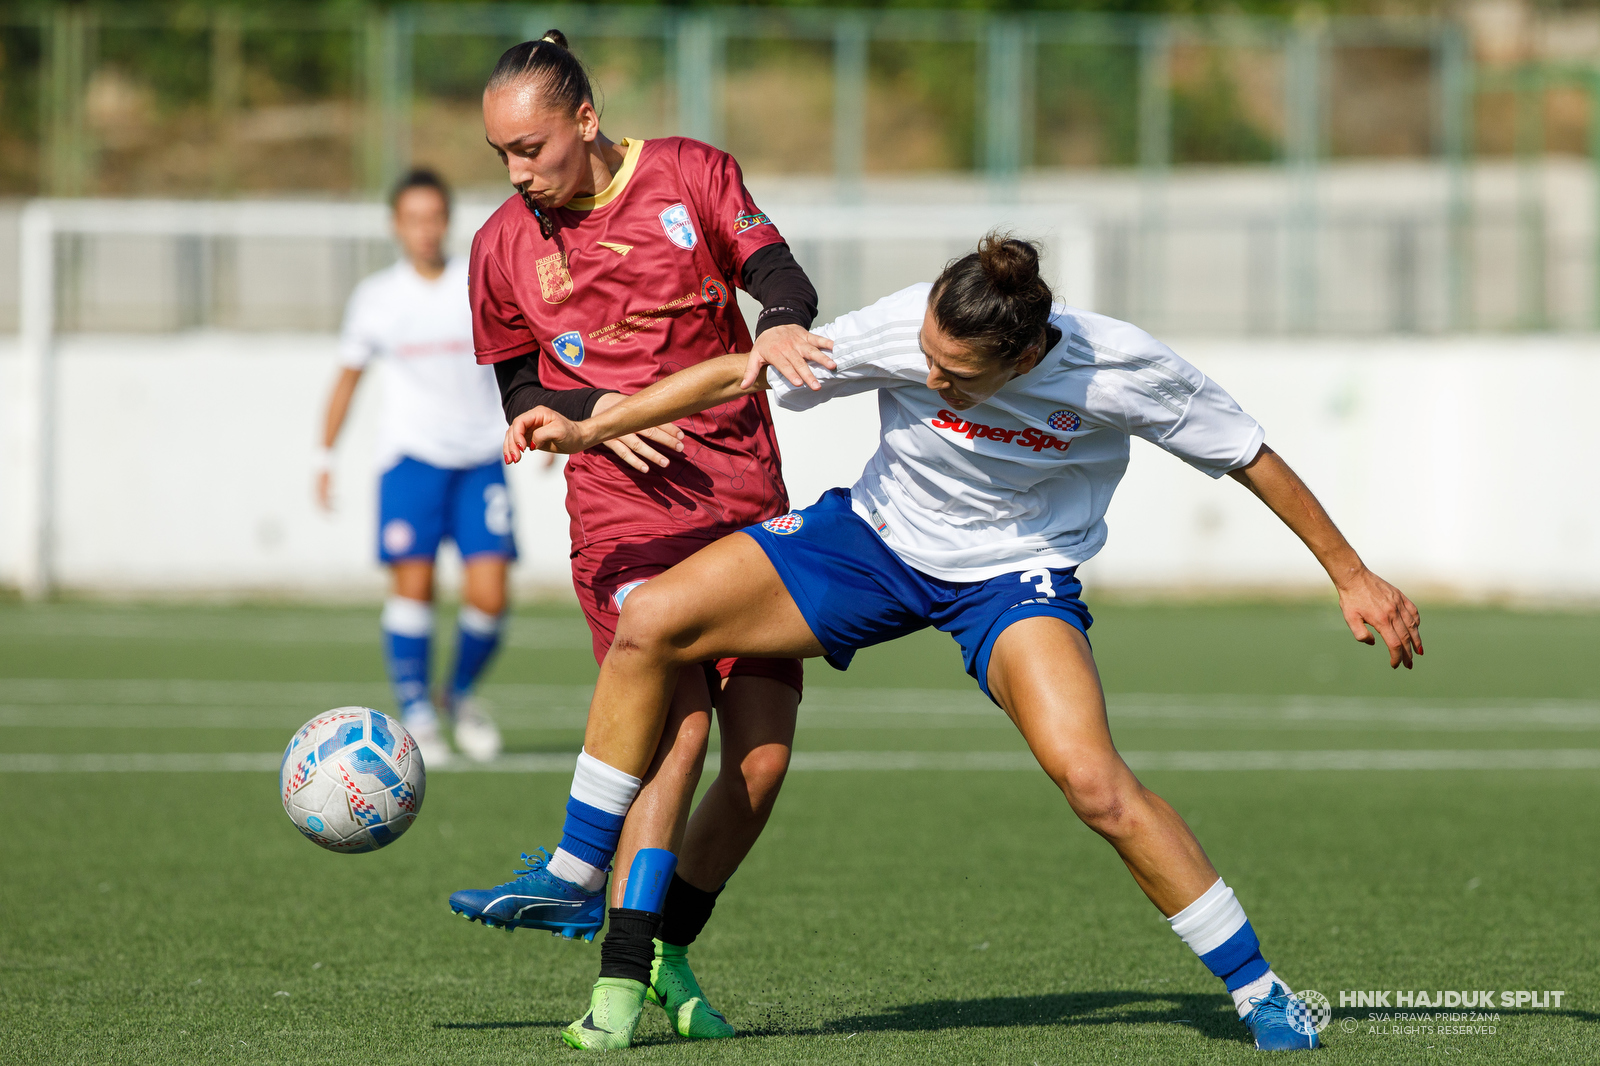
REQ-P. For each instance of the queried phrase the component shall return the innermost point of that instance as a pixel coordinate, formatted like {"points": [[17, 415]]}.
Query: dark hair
{"points": [[994, 298], [419, 178], [550, 60]]}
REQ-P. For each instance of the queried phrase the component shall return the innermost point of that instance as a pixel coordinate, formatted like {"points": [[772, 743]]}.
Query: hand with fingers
{"points": [[788, 349], [542, 429], [1368, 600]]}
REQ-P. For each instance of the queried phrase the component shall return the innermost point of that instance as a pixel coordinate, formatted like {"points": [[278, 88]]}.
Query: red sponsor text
{"points": [[1030, 438]]}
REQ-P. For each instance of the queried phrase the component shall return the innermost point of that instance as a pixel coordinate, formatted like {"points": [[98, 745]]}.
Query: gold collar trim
{"points": [[619, 180]]}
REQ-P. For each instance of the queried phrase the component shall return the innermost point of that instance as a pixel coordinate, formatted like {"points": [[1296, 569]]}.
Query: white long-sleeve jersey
{"points": [[1022, 480]]}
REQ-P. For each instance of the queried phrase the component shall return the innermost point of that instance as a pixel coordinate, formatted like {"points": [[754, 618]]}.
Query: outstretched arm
{"points": [[702, 386], [521, 390], [1364, 597]]}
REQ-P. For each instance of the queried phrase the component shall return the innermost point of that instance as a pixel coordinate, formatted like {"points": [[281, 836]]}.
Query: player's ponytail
{"points": [[994, 298], [549, 60]]}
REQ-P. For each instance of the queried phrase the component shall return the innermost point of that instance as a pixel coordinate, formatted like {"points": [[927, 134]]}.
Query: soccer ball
{"points": [[352, 779]]}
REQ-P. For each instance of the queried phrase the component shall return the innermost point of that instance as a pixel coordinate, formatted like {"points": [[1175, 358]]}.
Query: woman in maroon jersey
{"points": [[613, 267]]}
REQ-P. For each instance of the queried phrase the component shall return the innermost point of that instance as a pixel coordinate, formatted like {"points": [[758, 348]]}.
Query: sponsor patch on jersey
{"points": [[1067, 421], [784, 524], [680, 231], [750, 221], [878, 523], [569, 348], [555, 281], [714, 292], [1029, 438], [622, 593], [620, 249]]}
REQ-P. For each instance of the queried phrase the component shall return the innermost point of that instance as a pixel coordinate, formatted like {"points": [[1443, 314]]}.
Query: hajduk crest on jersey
{"points": [[680, 231]]}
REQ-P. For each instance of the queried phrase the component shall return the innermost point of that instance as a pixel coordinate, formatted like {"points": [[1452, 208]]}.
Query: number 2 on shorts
{"points": [[1044, 587]]}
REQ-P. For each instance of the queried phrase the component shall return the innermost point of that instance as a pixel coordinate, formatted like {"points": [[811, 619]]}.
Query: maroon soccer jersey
{"points": [[636, 284]]}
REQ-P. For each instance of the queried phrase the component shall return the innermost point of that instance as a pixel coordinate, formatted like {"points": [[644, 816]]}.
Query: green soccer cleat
{"points": [[672, 985], [614, 1009]]}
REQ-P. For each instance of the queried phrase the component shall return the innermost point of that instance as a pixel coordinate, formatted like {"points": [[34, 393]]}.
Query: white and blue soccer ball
{"points": [[352, 779]]}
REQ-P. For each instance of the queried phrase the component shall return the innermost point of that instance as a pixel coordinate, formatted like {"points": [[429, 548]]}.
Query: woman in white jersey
{"points": [[1005, 429], [442, 475]]}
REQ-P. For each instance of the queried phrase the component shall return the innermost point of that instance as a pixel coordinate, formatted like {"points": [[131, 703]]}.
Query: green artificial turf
{"points": [[903, 916]]}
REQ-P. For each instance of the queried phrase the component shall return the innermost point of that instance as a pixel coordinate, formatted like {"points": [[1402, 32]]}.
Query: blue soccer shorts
{"points": [[419, 505], [854, 591]]}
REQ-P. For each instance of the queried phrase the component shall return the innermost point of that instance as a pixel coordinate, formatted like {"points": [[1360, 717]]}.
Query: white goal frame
{"points": [[1067, 234]]}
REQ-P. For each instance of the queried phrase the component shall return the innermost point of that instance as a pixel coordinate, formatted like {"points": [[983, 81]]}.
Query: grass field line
{"points": [[877, 761], [162, 704], [533, 634]]}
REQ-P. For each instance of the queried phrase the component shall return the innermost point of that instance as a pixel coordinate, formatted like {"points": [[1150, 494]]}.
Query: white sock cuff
{"points": [[603, 787], [407, 618], [478, 623], [569, 867], [1208, 922], [1257, 989]]}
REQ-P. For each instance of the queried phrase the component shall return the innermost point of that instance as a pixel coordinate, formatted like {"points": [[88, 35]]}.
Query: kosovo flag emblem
{"points": [[569, 348]]}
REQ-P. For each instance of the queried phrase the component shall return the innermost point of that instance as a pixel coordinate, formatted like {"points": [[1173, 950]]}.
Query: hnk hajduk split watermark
{"points": [[1426, 1012], [1481, 998]]}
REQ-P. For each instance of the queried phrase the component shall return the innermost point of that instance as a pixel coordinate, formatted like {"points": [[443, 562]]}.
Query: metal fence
{"points": [[1003, 88], [127, 101]]}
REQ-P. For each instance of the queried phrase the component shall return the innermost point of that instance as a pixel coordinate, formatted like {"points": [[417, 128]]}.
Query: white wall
{"points": [[1468, 465]]}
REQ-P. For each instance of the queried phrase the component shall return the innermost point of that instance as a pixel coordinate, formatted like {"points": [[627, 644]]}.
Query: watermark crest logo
{"points": [[1309, 1012]]}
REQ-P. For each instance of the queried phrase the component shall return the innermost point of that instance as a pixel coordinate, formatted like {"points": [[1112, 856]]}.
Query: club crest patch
{"points": [[555, 280], [714, 292], [751, 221], [569, 348], [680, 231], [398, 536], [784, 524], [1064, 421]]}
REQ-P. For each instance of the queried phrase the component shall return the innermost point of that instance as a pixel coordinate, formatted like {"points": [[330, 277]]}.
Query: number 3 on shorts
{"points": [[1044, 587]]}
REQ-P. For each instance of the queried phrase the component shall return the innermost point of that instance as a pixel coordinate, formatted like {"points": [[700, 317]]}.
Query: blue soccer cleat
{"points": [[1269, 1024], [535, 899]]}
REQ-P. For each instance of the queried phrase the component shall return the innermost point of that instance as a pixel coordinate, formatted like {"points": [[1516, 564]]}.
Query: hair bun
{"points": [[1011, 264], [556, 37]]}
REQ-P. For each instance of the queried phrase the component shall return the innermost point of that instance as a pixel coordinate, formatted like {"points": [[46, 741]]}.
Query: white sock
{"points": [[1256, 989], [478, 623], [1207, 924], [569, 867], [407, 617]]}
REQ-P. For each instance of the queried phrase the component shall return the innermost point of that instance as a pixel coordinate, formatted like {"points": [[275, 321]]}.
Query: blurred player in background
{"points": [[614, 266], [439, 449]]}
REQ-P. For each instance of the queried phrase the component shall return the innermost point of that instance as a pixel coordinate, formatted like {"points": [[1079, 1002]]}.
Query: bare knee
{"points": [[646, 626], [762, 771], [1104, 794], [491, 600]]}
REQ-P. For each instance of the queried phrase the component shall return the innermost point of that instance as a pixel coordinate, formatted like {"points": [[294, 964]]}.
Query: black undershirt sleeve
{"points": [[770, 274], [787, 296], [521, 391]]}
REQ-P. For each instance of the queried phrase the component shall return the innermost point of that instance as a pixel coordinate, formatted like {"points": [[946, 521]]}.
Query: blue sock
{"points": [[590, 834], [1216, 929], [1238, 960], [477, 638], [596, 809], [407, 640]]}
